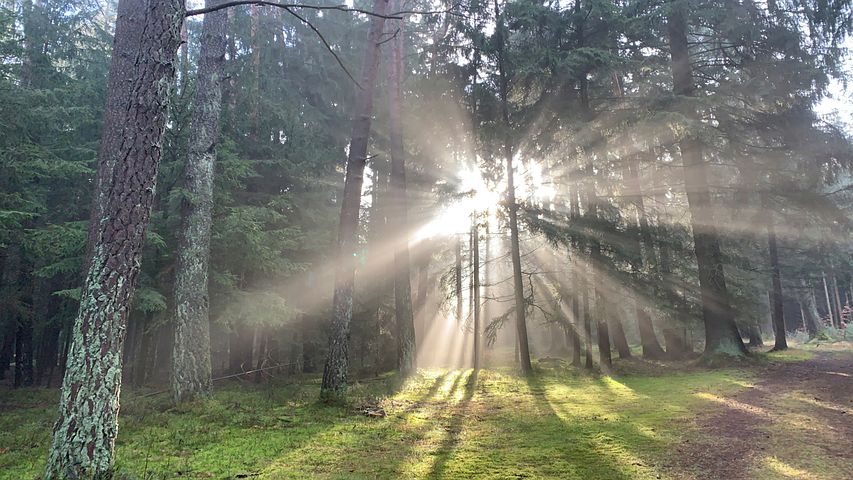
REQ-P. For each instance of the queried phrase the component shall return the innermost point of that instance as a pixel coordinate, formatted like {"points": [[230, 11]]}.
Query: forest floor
{"points": [[784, 416]]}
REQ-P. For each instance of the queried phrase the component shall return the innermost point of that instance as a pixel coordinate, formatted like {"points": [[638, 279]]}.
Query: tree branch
{"points": [[328, 47], [340, 8]]}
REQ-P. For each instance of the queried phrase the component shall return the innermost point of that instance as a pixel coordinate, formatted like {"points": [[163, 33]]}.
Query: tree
{"points": [[335, 371], [406, 351], [191, 370], [84, 433], [777, 315], [511, 204], [721, 332]]}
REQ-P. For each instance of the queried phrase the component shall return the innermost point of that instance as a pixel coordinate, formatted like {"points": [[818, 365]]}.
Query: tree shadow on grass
{"points": [[370, 447], [454, 428]]}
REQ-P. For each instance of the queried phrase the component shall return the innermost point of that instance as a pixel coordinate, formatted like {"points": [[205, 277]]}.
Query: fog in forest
{"points": [[550, 239]]}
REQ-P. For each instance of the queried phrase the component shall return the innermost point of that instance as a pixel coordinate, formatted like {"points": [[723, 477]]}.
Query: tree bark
{"points": [[776, 310], [406, 347], [754, 336], [130, 22], [335, 371], [721, 332], [84, 434], [191, 370], [811, 318]]}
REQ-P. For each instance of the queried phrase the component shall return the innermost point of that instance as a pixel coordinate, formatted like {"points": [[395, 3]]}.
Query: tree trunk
{"points": [[576, 318], [829, 308], [7, 347], [240, 347], [146, 345], [811, 318], [754, 335], [335, 371], [577, 325], [721, 333], [191, 370], [406, 347], [512, 206], [644, 251], [837, 298], [776, 310], [132, 346], [587, 323], [458, 280], [619, 339], [596, 261], [475, 283], [84, 434], [24, 354]]}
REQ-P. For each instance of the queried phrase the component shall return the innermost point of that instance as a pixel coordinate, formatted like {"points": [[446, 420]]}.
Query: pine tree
{"points": [[191, 369], [84, 434]]}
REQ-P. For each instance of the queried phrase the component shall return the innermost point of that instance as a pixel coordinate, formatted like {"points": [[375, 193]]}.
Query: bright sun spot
{"points": [[455, 218], [482, 199]]}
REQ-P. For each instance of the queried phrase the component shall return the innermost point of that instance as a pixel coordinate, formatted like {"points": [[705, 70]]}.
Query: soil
{"points": [[734, 436]]}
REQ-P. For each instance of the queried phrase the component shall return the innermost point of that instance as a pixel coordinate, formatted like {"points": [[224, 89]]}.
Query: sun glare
{"points": [[455, 219]]}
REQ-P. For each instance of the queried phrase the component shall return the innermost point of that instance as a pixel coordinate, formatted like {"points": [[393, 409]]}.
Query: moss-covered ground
{"points": [[558, 423]]}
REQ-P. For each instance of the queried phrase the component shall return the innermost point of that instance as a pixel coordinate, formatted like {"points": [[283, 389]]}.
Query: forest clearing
{"points": [[785, 415], [591, 239]]}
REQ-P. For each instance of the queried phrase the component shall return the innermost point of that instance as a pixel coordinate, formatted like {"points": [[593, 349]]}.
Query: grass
{"points": [[557, 423]]}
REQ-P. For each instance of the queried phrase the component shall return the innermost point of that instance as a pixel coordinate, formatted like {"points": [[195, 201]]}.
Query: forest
{"points": [[565, 239]]}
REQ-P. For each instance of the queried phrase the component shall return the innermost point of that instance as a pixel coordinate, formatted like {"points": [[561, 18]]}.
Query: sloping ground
{"points": [[794, 421], [449, 424]]}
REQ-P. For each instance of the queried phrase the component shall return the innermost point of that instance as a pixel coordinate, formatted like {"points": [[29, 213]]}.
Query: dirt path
{"points": [[734, 438]]}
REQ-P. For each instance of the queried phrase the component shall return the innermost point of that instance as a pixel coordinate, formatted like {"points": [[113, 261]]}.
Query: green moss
{"points": [[789, 355], [557, 423]]}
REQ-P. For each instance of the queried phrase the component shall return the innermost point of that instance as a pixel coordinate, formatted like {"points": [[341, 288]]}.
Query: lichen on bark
{"points": [[191, 370], [85, 431]]}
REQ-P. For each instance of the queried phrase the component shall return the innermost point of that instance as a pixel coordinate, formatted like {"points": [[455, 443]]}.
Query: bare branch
{"points": [[325, 43], [340, 8]]}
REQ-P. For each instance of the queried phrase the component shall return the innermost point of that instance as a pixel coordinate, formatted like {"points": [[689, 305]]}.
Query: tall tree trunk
{"points": [[829, 308], [255, 104], [130, 23], [191, 370], [576, 318], [475, 283], [406, 347], [603, 331], [836, 298], [644, 251], [776, 310], [811, 318], [587, 321], [458, 280], [754, 335], [7, 347], [620, 341], [577, 326], [512, 206], [146, 345], [335, 371], [721, 332], [84, 434], [24, 354]]}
